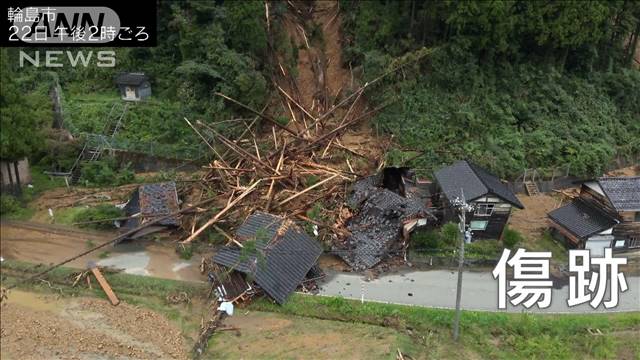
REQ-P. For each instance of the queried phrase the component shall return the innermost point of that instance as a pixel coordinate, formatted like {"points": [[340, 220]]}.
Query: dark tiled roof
{"points": [[284, 261], [581, 219], [475, 181], [623, 192], [131, 78], [159, 199]]}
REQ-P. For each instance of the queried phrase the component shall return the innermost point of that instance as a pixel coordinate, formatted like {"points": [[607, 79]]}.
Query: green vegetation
{"points": [[68, 215], [92, 217], [483, 249], [510, 84], [186, 251], [9, 204], [21, 114], [106, 172], [548, 243], [445, 237], [511, 238], [17, 207], [444, 242], [483, 334]]}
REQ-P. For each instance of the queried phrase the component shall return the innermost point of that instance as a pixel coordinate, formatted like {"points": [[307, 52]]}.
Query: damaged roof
{"points": [[582, 219], [159, 199], [475, 181], [623, 192], [282, 260], [133, 78], [149, 201], [378, 224]]}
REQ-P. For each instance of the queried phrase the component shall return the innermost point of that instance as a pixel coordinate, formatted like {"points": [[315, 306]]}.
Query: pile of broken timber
{"points": [[285, 169], [285, 173]]}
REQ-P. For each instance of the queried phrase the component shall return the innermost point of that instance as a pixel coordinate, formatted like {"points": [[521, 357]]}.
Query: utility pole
{"points": [[462, 207]]}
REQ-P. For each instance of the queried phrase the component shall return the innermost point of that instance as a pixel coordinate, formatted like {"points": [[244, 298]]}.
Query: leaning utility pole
{"points": [[463, 208]]}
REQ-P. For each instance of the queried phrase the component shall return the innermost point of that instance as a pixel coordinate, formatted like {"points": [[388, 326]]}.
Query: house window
{"points": [[637, 216], [484, 209], [478, 225], [619, 244], [634, 242]]}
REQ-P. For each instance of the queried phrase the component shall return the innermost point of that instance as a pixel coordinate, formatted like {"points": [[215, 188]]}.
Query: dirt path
{"points": [[38, 326], [532, 220]]}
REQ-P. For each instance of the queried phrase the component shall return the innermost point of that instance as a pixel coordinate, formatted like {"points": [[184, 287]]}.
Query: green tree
{"points": [[20, 121]]}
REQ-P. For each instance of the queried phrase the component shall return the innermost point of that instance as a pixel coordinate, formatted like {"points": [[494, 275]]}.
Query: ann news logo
{"points": [[121, 24], [63, 25]]}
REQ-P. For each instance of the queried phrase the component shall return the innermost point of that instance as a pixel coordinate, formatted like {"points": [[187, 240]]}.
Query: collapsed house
{"points": [[491, 198], [272, 252], [388, 207], [606, 214], [148, 202]]}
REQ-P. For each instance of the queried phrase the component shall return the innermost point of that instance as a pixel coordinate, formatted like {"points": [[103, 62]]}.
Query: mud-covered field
{"points": [[36, 326]]}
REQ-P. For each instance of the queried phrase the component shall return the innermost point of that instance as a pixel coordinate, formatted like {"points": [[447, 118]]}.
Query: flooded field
{"points": [[49, 244]]}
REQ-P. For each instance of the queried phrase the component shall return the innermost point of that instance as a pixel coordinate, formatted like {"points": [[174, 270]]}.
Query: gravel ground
{"points": [[35, 326]]}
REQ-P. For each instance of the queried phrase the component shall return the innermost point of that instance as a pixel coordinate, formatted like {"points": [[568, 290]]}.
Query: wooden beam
{"points": [[307, 189], [105, 286], [268, 118], [217, 217]]}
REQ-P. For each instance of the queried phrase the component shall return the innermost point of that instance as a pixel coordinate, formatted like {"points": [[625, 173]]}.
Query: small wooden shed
{"points": [[133, 86]]}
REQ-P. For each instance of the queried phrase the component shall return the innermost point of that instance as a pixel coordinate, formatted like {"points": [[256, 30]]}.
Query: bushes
{"points": [[483, 249], [514, 117], [511, 238], [444, 238], [106, 172], [9, 204], [100, 212]]}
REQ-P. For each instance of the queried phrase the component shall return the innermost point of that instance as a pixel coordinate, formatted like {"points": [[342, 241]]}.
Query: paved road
{"points": [[437, 288]]}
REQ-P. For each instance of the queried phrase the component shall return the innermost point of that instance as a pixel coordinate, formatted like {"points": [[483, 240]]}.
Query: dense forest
{"points": [[509, 84]]}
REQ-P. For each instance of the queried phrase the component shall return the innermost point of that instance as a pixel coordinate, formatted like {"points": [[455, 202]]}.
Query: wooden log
{"points": [[206, 142], [363, 88], [217, 217], [227, 236], [105, 285], [268, 118], [307, 189], [296, 103]]}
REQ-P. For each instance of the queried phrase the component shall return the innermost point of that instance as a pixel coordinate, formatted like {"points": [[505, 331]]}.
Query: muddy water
{"points": [[52, 244]]}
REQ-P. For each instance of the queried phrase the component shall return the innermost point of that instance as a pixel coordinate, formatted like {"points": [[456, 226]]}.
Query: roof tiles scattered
{"points": [[377, 226]]}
